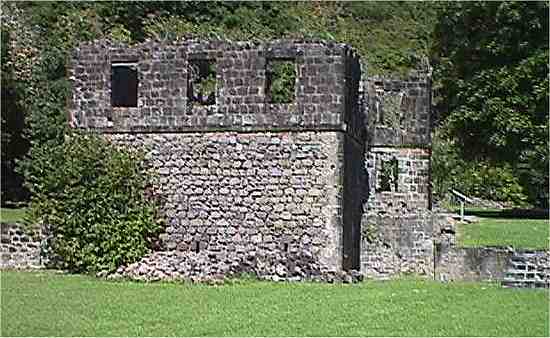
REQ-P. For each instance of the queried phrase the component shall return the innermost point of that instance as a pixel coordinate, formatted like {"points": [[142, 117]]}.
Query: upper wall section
{"points": [[216, 85], [399, 110]]}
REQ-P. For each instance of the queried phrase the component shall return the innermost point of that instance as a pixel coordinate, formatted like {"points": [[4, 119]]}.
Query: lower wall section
{"points": [[19, 247], [397, 227], [228, 194], [521, 268], [397, 244]]}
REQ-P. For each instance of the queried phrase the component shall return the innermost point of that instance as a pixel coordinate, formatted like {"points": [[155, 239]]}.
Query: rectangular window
{"points": [[388, 175], [281, 80], [201, 86], [124, 85]]}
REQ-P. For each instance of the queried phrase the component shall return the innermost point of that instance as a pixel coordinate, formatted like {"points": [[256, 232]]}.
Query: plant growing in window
{"points": [[202, 82], [281, 81]]}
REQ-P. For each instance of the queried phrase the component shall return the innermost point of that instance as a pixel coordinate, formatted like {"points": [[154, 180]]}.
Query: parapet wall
{"points": [[326, 78], [400, 110]]}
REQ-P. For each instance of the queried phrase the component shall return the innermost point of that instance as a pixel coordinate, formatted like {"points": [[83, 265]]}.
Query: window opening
{"points": [[202, 82], [124, 85], [281, 81], [389, 173], [197, 247]]}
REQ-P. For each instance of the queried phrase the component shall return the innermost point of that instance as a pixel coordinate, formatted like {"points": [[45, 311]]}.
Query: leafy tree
{"points": [[491, 63]]}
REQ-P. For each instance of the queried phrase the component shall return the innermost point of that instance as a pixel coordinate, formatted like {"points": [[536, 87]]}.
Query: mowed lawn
{"points": [[12, 215], [50, 304], [515, 232]]}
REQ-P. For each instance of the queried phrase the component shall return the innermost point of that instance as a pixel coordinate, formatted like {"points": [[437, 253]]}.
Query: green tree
{"points": [[491, 62]]}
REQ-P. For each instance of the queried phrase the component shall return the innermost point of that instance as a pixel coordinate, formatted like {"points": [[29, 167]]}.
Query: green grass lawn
{"points": [[529, 229], [9, 215], [49, 304], [518, 233]]}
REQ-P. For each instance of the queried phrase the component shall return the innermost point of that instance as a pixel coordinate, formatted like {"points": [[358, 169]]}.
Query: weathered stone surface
{"points": [[232, 215], [324, 99], [20, 247], [243, 174], [273, 265], [517, 268]]}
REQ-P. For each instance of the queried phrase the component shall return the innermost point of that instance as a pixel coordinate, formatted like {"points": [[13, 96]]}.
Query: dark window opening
{"points": [[388, 175], [201, 88], [281, 81], [197, 247], [124, 85]]}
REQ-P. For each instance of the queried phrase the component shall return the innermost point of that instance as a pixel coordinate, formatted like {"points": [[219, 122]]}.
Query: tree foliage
{"points": [[90, 195], [492, 71]]}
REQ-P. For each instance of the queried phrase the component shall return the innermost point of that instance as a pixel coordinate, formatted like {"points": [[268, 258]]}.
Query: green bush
{"points": [[91, 196], [492, 181]]}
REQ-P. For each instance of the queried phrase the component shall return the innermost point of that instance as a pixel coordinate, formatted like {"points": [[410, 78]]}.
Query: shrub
{"points": [[493, 181], [91, 195]]}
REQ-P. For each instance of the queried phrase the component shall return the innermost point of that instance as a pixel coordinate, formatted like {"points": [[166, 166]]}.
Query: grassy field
{"points": [[49, 304], [518, 233], [519, 229], [8, 215]]}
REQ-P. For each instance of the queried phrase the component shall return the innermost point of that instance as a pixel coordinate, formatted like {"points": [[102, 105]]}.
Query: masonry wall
{"points": [[241, 192], [19, 246], [518, 268], [397, 226], [246, 184], [241, 101]]}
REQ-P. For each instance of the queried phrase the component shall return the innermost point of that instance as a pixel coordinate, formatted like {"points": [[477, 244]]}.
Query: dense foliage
{"points": [[92, 195], [491, 63], [489, 58]]}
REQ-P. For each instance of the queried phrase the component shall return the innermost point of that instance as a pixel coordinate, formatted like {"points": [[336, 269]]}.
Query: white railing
{"points": [[463, 199]]}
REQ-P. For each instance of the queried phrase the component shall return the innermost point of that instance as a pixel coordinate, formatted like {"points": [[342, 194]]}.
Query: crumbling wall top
{"points": [[194, 85]]}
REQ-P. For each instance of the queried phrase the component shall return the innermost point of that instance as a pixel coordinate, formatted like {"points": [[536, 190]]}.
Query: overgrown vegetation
{"points": [[90, 307], [13, 215], [92, 195], [282, 81], [203, 82], [492, 78]]}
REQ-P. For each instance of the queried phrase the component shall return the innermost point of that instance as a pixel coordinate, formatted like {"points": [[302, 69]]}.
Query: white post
{"points": [[462, 210]]}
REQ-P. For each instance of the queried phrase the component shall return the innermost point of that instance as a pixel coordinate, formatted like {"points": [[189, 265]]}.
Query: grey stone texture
{"points": [[229, 192], [515, 268], [400, 110], [398, 225], [247, 185], [325, 97], [20, 246], [243, 177]]}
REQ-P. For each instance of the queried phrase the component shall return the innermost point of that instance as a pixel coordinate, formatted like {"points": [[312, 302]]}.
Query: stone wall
{"points": [[241, 192], [247, 182], [398, 226], [519, 268], [19, 247], [323, 99], [400, 110]]}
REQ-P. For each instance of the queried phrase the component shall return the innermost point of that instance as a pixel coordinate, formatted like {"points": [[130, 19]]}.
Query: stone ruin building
{"points": [[281, 158]]}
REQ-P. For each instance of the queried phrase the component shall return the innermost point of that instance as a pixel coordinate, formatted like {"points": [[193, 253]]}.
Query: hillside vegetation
{"points": [[489, 59]]}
